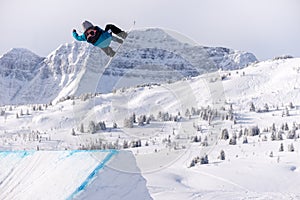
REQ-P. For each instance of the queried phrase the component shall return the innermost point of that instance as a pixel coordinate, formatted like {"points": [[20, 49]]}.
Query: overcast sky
{"points": [[266, 28]]}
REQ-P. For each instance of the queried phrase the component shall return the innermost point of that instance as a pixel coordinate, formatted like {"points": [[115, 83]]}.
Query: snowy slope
{"points": [[120, 179], [150, 55], [68, 175], [165, 162], [273, 82]]}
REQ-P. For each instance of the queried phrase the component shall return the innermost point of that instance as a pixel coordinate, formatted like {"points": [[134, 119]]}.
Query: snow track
{"points": [[93, 174], [62, 174]]}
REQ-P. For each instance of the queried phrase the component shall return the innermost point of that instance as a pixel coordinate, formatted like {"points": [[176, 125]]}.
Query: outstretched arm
{"points": [[78, 37]]}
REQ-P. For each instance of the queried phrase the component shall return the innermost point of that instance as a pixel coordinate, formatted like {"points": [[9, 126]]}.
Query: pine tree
{"points": [[286, 127], [225, 134], [232, 141], [134, 118], [148, 120], [125, 144], [128, 123], [252, 107], [192, 163], [281, 147], [222, 155], [273, 127], [291, 106], [73, 132], [291, 134], [195, 139], [204, 159], [273, 136], [159, 115], [265, 138], [282, 127], [291, 148], [115, 125], [240, 133], [287, 113], [102, 126], [187, 113], [141, 121], [279, 136], [81, 130], [245, 140], [266, 107], [193, 111], [92, 127]]}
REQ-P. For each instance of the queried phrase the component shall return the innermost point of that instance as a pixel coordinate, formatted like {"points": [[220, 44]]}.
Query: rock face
{"points": [[147, 56]]}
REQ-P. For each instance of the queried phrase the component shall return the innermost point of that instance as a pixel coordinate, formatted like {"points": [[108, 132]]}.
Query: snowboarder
{"points": [[101, 38]]}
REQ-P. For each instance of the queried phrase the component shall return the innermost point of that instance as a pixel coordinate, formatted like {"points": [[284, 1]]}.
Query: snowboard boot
{"points": [[123, 35], [109, 51]]}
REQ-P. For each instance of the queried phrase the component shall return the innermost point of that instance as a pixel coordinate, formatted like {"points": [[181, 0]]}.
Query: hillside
{"points": [[252, 114], [147, 56]]}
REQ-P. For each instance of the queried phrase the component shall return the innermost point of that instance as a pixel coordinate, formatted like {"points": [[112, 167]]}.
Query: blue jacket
{"points": [[103, 41]]}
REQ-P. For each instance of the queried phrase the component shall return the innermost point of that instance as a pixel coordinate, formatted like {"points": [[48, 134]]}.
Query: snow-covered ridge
{"points": [[149, 55]]}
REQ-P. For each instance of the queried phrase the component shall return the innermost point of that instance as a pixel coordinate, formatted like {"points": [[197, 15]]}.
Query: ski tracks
{"points": [[18, 175]]}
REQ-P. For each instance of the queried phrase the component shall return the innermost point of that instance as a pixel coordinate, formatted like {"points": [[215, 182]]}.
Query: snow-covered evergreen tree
{"points": [[125, 144], [115, 125], [266, 107], [291, 147], [141, 121], [245, 140], [254, 131], [252, 107], [81, 129], [222, 155], [187, 113], [273, 136], [128, 122], [232, 140], [92, 127], [279, 136], [281, 147], [204, 159], [225, 134], [291, 134], [73, 132]]}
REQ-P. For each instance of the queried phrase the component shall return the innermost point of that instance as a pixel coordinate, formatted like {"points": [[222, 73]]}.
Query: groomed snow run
{"points": [[67, 175]]}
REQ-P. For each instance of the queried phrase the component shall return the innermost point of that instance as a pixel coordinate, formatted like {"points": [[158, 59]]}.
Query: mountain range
{"points": [[147, 56]]}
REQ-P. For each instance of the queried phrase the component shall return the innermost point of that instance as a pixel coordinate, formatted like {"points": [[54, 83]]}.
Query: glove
{"points": [[74, 31]]}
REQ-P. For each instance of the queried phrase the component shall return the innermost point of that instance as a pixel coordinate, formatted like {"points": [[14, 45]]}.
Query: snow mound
{"points": [[67, 175]]}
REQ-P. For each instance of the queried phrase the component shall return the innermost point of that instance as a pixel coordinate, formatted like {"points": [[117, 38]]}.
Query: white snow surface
{"points": [[45, 149], [69, 175], [248, 171]]}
